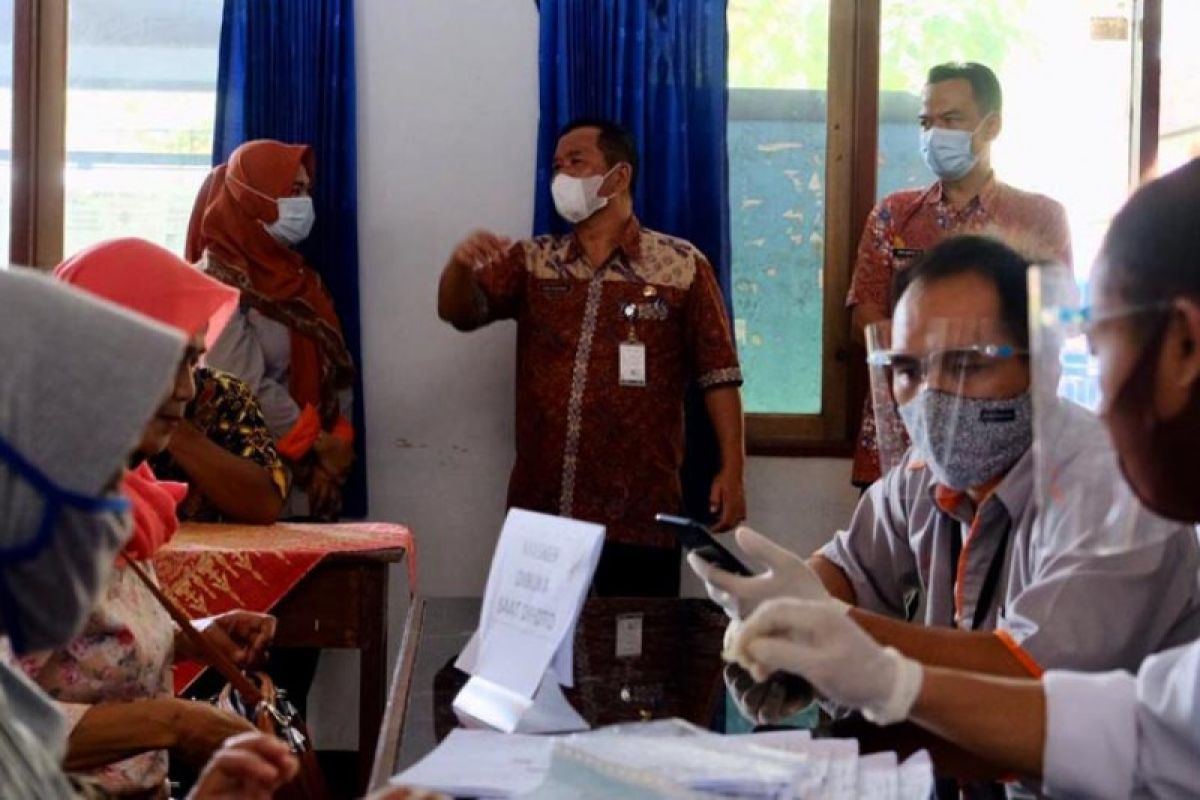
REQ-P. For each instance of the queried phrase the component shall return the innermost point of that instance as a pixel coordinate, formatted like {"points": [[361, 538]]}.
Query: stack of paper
{"points": [[483, 764], [671, 759]]}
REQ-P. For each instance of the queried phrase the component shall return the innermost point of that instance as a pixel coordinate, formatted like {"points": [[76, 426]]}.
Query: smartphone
{"points": [[696, 538]]}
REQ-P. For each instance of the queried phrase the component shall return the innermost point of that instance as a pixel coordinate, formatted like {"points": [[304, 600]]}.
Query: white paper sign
{"points": [[538, 580]]}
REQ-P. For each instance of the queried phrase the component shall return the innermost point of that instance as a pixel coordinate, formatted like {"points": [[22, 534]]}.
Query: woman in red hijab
{"points": [[285, 340], [114, 682]]}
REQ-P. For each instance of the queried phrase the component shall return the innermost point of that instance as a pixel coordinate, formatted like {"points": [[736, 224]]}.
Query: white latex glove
{"points": [[820, 642], [786, 575]]}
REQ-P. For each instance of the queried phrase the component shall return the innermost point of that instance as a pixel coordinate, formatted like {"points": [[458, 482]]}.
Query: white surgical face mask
{"points": [[295, 222], [295, 217], [576, 199]]}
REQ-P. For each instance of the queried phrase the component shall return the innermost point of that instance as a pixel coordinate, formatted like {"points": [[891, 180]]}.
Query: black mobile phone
{"points": [[697, 538]]}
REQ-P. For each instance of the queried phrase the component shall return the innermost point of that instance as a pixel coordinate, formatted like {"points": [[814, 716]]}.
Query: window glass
{"points": [[778, 66], [1179, 109], [1059, 140], [141, 99]]}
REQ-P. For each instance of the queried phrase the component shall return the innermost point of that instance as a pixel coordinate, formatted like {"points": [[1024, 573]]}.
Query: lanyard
{"points": [[991, 581]]}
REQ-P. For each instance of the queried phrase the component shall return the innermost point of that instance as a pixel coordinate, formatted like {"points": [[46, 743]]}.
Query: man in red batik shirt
{"points": [[960, 118], [613, 322]]}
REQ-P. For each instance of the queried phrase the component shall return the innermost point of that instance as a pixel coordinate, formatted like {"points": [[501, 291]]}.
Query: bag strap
{"points": [[218, 660]]}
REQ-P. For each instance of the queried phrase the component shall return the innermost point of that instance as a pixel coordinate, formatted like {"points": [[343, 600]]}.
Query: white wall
{"points": [[447, 115]]}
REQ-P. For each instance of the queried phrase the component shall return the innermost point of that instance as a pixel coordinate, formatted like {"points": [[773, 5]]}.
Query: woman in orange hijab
{"points": [[286, 340]]}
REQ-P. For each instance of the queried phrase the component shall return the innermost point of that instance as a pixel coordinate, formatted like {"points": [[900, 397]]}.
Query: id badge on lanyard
{"points": [[631, 368]]}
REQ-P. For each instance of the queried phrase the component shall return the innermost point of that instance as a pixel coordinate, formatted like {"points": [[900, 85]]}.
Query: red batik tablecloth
{"points": [[209, 569]]}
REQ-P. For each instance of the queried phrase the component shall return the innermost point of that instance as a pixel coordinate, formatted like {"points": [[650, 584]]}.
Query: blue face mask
{"points": [[50, 581], [947, 152]]}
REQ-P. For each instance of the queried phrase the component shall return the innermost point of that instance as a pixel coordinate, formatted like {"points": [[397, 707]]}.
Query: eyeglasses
{"points": [[906, 372]]}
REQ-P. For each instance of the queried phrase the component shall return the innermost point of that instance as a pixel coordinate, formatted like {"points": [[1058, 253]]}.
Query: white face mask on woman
{"points": [[576, 199], [294, 217], [295, 222]]}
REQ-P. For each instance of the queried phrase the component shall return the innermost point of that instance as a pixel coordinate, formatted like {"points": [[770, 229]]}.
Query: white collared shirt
{"points": [[1118, 735]]}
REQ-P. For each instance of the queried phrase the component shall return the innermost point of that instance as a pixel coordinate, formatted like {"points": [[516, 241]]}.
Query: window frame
{"points": [[850, 180], [39, 132]]}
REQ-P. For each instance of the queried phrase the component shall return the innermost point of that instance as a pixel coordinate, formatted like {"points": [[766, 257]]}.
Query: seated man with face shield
{"points": [[80, 379], [948, 558]]}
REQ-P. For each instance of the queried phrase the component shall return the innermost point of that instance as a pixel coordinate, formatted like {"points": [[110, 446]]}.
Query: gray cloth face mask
{"points": [[968, 441]]}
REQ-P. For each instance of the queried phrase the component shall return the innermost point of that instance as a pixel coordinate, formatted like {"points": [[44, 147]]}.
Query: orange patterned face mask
{"points": [[154, 503]]}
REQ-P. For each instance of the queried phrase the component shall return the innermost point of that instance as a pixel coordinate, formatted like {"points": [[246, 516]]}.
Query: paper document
{"points": [[536, 586], [484, 704], [673, 760], [482, 764], [575, 776], [877, 777], [703, 763], [916, 777]]}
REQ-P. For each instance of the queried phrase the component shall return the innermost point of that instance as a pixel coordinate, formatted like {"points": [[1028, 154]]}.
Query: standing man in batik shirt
{"points": [[613, 322], [960, 118]]}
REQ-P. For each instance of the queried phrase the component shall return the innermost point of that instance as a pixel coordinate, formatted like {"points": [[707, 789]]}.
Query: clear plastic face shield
{"points": [[950, 395], [1084, 501]]}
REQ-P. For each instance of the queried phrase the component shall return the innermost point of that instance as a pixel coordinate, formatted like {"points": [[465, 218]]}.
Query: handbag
{"points": [[255, 697]]}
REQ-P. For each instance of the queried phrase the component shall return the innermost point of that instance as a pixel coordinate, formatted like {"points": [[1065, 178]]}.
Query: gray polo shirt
{"points": [[1073, 587]]}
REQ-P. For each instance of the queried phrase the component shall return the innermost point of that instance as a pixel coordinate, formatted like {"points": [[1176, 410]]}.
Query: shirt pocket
{"points": [[555, 308]]}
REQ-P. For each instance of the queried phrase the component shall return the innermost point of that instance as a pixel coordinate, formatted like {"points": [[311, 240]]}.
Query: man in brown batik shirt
{"points": [[613, 322]]}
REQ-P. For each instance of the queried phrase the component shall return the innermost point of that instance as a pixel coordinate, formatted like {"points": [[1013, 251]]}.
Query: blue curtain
{"points": [[658, 67], [286, 71]]}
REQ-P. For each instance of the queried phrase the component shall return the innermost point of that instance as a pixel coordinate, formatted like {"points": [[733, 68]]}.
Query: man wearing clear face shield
{"points": [[79, 381], [1098, 734], [948, 559]]}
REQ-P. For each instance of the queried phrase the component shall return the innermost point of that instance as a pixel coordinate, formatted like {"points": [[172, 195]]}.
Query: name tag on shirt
{"points": [[907, 252], [632, 364], [555, 287]]}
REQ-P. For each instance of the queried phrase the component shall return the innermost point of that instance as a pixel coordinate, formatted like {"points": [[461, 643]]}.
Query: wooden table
{"points": [[677, 674], [342, 603], [326, 584]]}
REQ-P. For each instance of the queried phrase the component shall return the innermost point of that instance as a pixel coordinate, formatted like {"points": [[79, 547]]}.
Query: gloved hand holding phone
{"points": [[785, 575]]}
